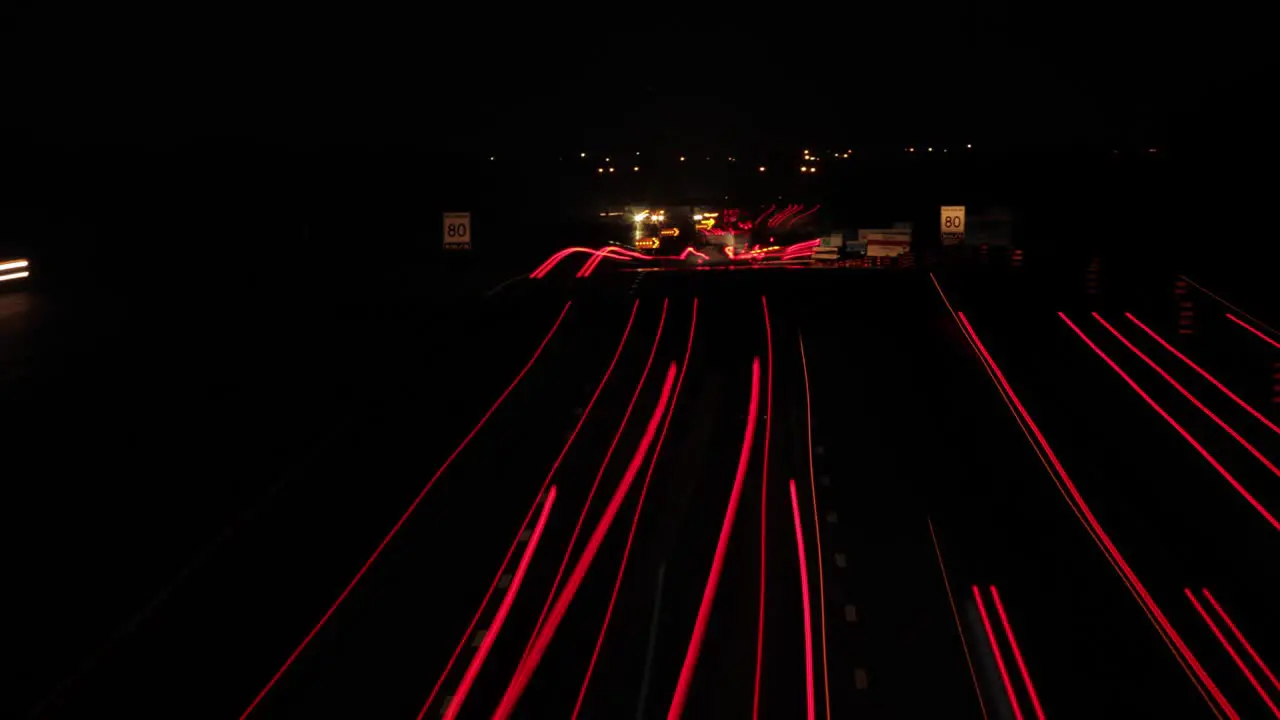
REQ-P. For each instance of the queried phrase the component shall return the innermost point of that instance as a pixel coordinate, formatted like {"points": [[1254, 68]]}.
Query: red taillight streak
{"points": [[529, 515], [766, 213], [1085, 522], [1205, 374], [1213, 416], [1070, 494], [617, 253], [1186, 436], [995, 650], [1206, 291], [477, 660], [1252, 329], [955, 612], [786, 213], [1240, 637], [1017, 653], [1101, 534], [817, 528], [526, 669], [555, 259], [764, 494], [635, 517], [804, 596], [611, 252], [555, 585], [598, 257], [550, 263], [717, 563], [804, 214], [396, 528], [1231, 651]]}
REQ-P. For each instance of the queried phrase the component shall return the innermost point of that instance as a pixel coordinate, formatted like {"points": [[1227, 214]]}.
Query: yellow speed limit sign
{"points": [[952, 223], [457, 231]]}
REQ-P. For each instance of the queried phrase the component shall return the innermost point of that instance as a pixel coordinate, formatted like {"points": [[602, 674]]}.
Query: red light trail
{"points": [[1182, 651], [1204, 374], [599, 254], [1199, 678], [1213, 627], [526, 669], [1182, 431], [1017, 653], [955, 612], [477, 661], [804, 596], [717, 563], [995, 650], [555, 585], [1240, 637], [796, 218], [555, 465], [817, 527], [635, 517], [1206, 291], [1185, 393], [787, 212], [764, 496], [396, 528], [1253, 330], [1086, 522]]}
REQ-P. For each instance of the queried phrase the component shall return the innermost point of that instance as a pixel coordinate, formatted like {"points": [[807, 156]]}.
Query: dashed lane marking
{"points": [[841, 562], [851, 613]]}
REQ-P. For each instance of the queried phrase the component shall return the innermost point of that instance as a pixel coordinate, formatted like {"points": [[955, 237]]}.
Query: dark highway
{"points": [[932, 491]]}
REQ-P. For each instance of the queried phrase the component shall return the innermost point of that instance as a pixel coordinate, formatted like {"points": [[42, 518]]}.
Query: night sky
{"points": [[537, 79]]}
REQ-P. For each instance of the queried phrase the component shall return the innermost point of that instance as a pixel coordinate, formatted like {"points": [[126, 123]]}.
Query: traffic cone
{"points": [[1186, 309], [1275, 383]]}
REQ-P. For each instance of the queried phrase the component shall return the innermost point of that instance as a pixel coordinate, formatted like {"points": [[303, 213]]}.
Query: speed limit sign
{"points": [[952, 223], [457, 231]]}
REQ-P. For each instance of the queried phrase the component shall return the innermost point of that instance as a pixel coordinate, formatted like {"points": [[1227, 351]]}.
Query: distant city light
{"points": [[968, 146], [599, 170], [804, 169], [761, 168], [636, 169], [681, 158], [583, 155], [930, 149], [610, 169]]}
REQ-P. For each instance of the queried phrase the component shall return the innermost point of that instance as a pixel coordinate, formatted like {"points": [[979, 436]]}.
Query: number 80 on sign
{"points": [[457, 231]]}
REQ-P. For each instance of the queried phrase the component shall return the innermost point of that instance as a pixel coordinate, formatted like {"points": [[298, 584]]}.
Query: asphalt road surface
{"points": [[573, 497]]}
